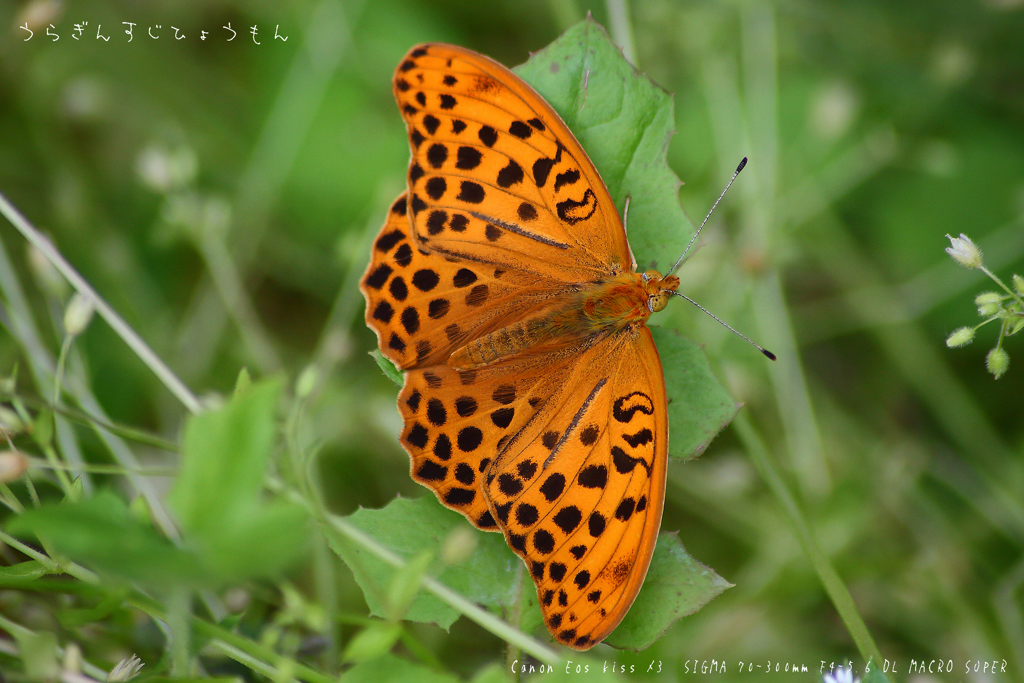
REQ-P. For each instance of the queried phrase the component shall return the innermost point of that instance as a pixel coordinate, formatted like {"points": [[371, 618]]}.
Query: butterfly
{"points": [[503, 285]]}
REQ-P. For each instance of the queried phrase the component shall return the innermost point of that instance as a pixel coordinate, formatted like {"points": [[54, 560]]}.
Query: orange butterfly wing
{"points": [[423, 307], [564, 451], [417, 301], [579, 491], [496, 177]]}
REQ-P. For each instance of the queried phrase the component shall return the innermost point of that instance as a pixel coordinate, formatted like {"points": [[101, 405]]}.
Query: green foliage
{"points": [[217, 493], [372, 642], [391, 668], [231, 533], [388, 368], [221, 197], [418, 528], [698, 406], [100, 533], [21, 573], [493, 576], [39, 653]]}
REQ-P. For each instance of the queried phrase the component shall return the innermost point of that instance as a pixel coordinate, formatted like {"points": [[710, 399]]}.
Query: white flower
{"points": [[125, 670], [964, 251], [840, 675]]}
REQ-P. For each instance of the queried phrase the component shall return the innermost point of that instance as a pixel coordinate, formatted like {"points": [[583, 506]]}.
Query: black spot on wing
{"points": [[643, 437], [511, 174], [468, 158], [470, 192], [520, 130], [438, 308], [388, 240], [488, 135]]}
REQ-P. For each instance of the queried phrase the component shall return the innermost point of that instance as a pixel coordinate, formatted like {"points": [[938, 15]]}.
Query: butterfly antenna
{"points": [[760, 348], [694, 238]]}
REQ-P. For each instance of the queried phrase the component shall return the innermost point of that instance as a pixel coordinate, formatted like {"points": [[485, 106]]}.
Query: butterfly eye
{"points": [[658, 302]]}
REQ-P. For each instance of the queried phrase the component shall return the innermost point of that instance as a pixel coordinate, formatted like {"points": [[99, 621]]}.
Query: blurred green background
{"points": [[222, 195]]}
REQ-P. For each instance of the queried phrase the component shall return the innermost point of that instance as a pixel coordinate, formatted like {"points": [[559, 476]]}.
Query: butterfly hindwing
{"points": [[496, 176], [456, 423], [586, 520]]}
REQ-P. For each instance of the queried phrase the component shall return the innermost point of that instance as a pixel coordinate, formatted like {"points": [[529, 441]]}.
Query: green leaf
{"points": [[698, 405], [217, 495], [243, 381], [394, 670], [388, 368], [100, 533], [412, 527], [39, 653], [372, 642], [21, 573], [676, 585], [624, 122], [224, 458], [406, 582]]}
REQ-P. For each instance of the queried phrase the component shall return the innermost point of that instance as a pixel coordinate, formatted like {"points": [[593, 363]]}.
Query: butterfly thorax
{"points": [[623, 300]]}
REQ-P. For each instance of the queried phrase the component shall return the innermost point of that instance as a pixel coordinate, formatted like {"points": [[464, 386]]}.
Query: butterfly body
{"points": [[534, 401], [622, 301]]}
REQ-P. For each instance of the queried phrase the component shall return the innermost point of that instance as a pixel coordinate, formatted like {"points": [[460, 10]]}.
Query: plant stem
{"points": [[242, 650], [834, 586], [622, 28], [1016, 297], [482, 617], [123, 330]]}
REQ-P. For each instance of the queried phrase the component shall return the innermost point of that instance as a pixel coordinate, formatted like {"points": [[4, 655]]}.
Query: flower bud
{"points": [[988, 303], [997, 362], [10, 422], [964, 251], [77, 315], [307, 381], [73, 659], [960, 337], [9, 384], [1018, 284], [13, 464]]}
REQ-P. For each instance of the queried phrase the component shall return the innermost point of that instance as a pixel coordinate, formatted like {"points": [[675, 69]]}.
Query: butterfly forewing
{"points": [[423, 307], [496, 176], [587, 518]]}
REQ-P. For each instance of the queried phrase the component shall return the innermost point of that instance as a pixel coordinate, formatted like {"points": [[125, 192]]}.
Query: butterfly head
{"points": [[658, 289]]}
